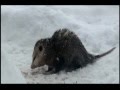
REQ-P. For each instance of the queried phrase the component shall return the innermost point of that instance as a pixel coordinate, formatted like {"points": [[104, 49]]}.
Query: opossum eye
{"points": [[40, 48]]}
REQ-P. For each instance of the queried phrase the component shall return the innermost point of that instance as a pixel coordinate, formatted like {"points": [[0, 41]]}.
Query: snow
{"points": [[9, 72], [96, 26]]}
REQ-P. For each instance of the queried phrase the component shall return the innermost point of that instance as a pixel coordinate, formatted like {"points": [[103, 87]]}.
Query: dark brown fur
{"points": [[63, 51]]}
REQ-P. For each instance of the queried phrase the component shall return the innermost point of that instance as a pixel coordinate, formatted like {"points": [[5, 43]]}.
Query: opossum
{"points": [[63, 51]]}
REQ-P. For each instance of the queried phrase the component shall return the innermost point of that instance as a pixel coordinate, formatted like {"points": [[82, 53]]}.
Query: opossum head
{"points": [[43, 54]]}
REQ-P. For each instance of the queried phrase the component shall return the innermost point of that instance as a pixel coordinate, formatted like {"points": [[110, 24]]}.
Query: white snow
{"points": [[9, 72], [96, 26]]}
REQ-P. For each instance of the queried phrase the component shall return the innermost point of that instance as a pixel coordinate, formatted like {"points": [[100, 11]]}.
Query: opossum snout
{"points": [[33, 66], [38, 62]]}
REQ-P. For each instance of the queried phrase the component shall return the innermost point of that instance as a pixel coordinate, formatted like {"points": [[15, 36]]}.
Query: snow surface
{"points": [[10, 73], [96, 26]]}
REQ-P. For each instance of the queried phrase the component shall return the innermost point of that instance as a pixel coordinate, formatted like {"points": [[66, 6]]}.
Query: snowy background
{"points": [[22, 26]]}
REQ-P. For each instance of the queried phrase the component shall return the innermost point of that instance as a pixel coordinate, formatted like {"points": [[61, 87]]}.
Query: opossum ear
{"points": [[40, 48]]}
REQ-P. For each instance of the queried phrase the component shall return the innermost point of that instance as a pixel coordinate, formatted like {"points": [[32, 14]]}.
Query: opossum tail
{"points": [[101, 55]]}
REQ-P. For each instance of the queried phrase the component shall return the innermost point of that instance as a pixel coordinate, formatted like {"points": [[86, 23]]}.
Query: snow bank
{"points": [[96, 26], [10, 74]]}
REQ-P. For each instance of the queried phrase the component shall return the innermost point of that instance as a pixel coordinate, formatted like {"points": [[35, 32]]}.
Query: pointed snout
{"points": [[33, 66]]}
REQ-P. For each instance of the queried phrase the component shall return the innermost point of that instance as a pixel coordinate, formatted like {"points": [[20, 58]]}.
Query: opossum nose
{"points": [[33, 66]]}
